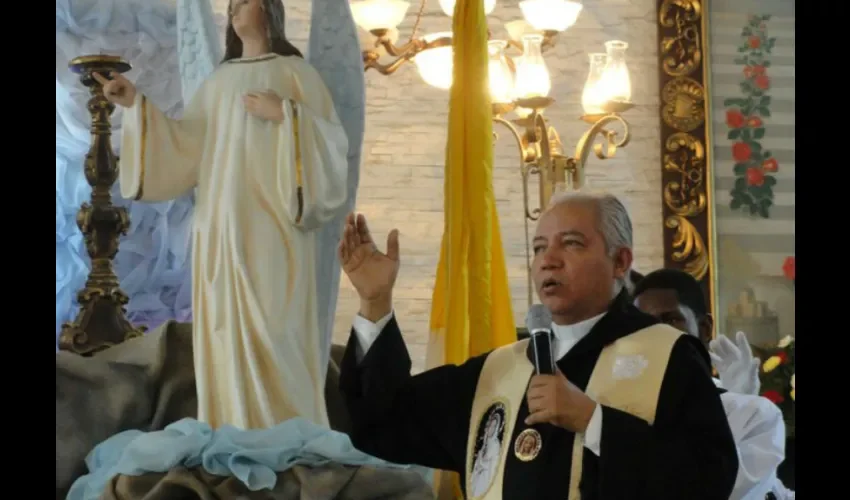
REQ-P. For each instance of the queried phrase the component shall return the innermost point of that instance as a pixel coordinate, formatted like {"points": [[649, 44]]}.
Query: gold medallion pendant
{"points": [[527, 445]]}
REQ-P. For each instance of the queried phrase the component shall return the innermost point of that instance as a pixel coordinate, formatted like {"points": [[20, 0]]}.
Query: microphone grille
{"points": [[538, 318]]}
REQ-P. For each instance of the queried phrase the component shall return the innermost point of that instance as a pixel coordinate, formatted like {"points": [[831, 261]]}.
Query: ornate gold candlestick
{"points": [[101, 322]]}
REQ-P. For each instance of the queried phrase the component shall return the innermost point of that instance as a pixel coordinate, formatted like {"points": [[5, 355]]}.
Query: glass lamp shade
{"points": [[615, 82], [593, 97], [448, 6], [499, 72], [532, 76], [436, 65], [550, 15], [379, 14]]}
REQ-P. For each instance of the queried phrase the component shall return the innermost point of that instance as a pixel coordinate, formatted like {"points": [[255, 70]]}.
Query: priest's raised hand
{"points": [[555, 400], [371, 272], [118, 90]]}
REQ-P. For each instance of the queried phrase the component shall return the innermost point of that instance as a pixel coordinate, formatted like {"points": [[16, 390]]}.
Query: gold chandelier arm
{"points": [[409, 49], [604, 150], [402, 54], [526, 169], [370, 61]]}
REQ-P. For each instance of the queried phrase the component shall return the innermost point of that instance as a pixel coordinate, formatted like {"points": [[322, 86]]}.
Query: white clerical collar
{"points": [[717, 383], [566, 336]]}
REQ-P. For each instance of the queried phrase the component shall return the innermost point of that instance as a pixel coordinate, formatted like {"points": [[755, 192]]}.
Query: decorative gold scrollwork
{"points": [[681, 51], [684, 104], [686, 196], [684, 153], [691, 247]]}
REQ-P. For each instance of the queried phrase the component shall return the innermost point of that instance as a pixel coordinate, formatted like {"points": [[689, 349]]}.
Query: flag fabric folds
{"points": [[471, 306]]}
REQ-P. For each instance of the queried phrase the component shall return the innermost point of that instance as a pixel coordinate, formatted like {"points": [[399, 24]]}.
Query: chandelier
{"points": [[519, 83], [432, 53]]}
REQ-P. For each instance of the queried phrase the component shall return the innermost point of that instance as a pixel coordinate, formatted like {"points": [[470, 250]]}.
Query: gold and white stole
{"points": [[627, 376]]}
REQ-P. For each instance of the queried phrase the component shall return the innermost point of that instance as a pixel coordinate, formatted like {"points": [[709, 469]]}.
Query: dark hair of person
{"points": [[686, 287], [275, 27]]}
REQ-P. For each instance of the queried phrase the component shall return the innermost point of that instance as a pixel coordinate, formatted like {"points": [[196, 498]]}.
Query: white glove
{"points": [[738, 369]]}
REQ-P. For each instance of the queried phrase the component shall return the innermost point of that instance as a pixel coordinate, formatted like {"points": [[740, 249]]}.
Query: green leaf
{"points": [[766, 202], [769, 181], [766, 154], [762, 210], [741, 184], [740, 169], [740, 60], [753, 208], [756, 147], [746, 87], [747, 31], [758, 133], [734, 134], [770, 43], [735, 204], [745, 135], [765, 100], [765, 112], [766, 64], [765, 17]]}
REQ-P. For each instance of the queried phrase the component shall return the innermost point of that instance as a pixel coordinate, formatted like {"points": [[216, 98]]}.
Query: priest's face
{"points": [[247, 17], [573, 271]]}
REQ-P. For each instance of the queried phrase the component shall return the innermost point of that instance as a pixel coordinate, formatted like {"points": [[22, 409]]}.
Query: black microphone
{"points": [[538, 321]]}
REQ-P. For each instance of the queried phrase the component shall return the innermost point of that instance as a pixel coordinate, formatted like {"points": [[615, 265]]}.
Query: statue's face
{"points": [[247, 17]]}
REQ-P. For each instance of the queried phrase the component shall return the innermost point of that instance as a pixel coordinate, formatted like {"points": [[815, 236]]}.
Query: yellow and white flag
{"points": [[472, 281]]}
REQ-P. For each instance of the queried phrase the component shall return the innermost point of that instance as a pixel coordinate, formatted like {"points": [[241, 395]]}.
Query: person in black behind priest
{"points": [[631, 413]]}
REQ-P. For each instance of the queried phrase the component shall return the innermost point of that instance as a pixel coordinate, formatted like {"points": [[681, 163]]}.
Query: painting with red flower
{"points": [[789, 268], [745, 116]]}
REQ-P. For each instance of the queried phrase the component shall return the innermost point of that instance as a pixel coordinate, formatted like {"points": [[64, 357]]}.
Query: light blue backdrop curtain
{"points": [[153, 261]]}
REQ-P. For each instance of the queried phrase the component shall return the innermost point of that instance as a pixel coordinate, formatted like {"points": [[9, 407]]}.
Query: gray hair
{"points": [[615, 224]]}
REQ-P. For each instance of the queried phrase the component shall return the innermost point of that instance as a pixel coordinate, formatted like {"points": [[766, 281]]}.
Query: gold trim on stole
{"points": [[143, 143], [503, 380], [299, 183], [626, 372]]}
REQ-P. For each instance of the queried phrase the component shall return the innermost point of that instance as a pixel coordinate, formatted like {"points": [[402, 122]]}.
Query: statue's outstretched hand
{"points": [[372, 272], [118, 90], [736, 365]]}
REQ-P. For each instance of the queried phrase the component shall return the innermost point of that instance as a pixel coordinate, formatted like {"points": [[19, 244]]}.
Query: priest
{"points": [[631, 413]]}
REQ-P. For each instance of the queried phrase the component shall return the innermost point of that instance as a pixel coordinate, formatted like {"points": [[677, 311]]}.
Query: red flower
{"points": [[755, 122], [774, 396], [759, 70], [755, 42], [755, 176], [748, 72], [789, 268], [783, 358], [770, 165], [741, 152], [762, 82], [734, 118]]}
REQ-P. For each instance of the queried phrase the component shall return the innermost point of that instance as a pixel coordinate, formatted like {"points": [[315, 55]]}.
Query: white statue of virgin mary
{"points": [[272, 144]]}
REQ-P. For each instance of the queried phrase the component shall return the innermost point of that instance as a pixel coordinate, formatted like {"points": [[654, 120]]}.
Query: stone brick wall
{"points": [[401, 182]]}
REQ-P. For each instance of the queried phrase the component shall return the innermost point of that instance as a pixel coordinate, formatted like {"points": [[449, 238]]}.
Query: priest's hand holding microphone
{"points": [[551, 397]]}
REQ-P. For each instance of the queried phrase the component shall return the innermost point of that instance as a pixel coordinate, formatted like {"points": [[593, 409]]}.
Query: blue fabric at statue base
{"points": [[254, 457]]}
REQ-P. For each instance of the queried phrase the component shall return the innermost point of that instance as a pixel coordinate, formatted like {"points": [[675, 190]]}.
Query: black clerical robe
{"points": [[687, 454]]}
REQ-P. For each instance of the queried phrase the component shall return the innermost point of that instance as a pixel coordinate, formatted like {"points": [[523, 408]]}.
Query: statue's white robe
{"points": [[257, 348]]}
